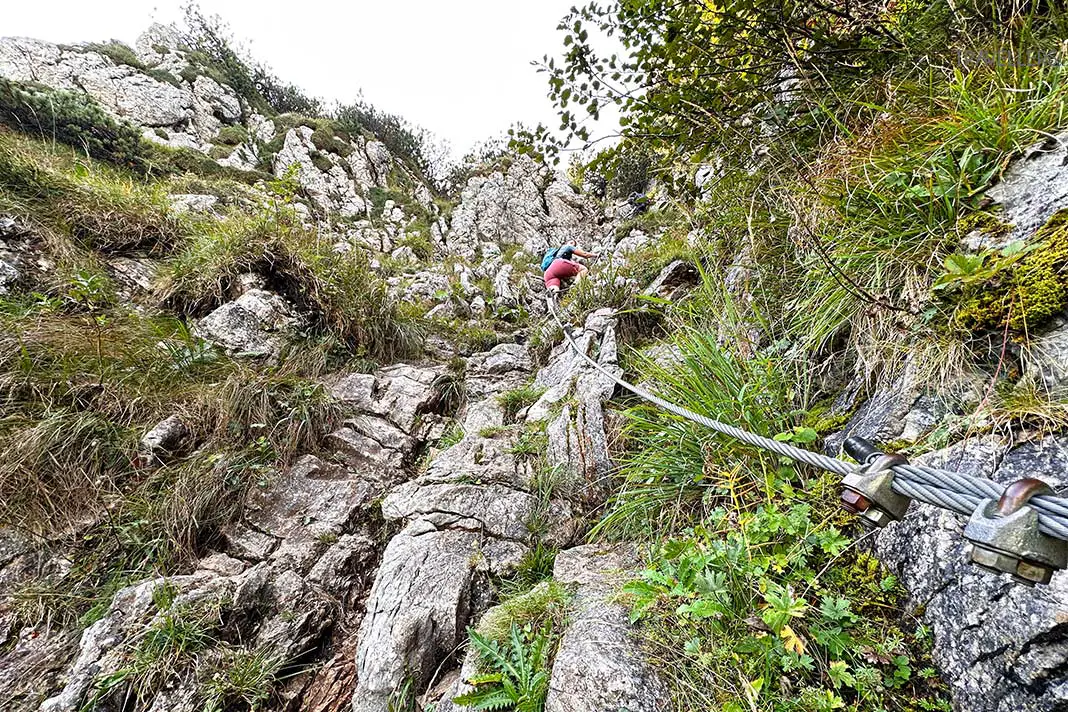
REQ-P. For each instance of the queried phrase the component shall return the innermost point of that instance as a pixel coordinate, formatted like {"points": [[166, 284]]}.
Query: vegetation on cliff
{"points": [[843, 152]]}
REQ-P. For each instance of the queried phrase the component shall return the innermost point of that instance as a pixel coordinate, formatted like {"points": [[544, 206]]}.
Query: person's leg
{"points": [[582, 272]]}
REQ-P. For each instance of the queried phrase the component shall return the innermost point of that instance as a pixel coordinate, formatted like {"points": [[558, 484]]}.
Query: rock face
{"points": [[171, 99], [1022, 206], [1047, 360], [190, 110], [463, 519], [577, 439], [523, 205], [600, 666], [333, 188], [999, 645], [294, 569], [473, 513], [296, 552]]}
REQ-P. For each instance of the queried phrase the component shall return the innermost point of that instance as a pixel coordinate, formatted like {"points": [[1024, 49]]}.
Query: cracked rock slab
{"points": [[600, 666]]}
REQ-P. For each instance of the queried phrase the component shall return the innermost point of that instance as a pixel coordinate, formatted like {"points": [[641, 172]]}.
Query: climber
{"points": [[558, 266]]}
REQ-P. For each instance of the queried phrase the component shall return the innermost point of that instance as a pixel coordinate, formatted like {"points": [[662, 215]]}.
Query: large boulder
{"points": [[254, 324]]}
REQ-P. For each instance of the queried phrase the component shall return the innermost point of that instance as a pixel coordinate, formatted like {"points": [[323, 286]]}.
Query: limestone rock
{"points": [[1046, 357], [401, 393], [254, 324], [331, 189], [504, 367], [193, 203], [503, 207], [599, 666], [1045, 164], [9, 275], [122, 90], [999, 645], [164, 439], [496, 510], [673, 281], [417, 610], [502, 288]]}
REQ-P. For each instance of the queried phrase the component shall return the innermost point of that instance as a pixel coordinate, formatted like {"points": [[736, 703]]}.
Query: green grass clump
{"points": [[243, 678], [675, 472], [99, 209], [326, 137], [517, 399], [170, 161], [231, 135], [165, 652], [545, 603]]}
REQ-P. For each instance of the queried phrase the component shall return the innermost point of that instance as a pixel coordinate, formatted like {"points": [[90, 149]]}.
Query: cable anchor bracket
{"points": [[869, 491], [1005, 537]]}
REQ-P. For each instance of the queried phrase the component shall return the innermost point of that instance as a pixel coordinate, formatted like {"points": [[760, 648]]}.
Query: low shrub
{"points": [[73, 118]]}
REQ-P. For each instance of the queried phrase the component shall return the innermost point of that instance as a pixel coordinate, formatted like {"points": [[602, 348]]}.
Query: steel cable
{"points": [[956, 491]]}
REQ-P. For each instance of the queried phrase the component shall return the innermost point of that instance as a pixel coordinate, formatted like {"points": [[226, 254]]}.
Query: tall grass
{"points": [[885, 200], [339, 290], [674, 471], [99, 207]]}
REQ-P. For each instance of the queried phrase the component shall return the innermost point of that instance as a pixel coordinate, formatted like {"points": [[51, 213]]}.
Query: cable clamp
{"points": [[869, 491], [1005, 537]]}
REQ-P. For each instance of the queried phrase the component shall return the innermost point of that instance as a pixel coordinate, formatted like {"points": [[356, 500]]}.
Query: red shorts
{"points": [[561, 269]]}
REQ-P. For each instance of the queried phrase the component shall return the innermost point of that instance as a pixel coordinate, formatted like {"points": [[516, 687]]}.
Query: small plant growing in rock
{"points": [[244, 677], [517, 399], [517, 674]]}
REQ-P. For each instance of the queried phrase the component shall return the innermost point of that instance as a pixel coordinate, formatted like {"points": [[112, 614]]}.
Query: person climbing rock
{"points": [[558, 266]]}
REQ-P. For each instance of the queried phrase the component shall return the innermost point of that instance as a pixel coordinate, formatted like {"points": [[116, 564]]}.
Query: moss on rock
{"points": [[985, 223], [1024, 292], [231, 135], [324, 138]]}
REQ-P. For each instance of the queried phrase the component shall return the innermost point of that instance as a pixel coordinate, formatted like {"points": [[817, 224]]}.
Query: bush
{"points": [[211, 46], [408, 143], [73, 118]]}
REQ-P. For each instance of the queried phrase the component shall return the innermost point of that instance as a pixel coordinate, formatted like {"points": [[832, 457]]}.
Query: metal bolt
{"points": [[869, 492], [854, 502], [1005, 536]]}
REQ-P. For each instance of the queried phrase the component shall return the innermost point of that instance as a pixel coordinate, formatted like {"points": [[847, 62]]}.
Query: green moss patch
{"points": [[1024, 292], [231, 136], [324, 138]]}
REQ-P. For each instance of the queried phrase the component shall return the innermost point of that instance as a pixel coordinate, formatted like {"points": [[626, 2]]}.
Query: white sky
{"points": [[460, 69]]}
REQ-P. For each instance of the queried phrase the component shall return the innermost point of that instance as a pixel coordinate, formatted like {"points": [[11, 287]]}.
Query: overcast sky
{"points": [[461, 68]]}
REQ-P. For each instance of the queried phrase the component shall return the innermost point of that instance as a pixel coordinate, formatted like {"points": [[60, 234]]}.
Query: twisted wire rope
{"points": [[955, 491]]}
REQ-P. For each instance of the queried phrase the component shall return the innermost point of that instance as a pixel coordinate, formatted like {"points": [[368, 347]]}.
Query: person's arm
{"points": [[583, 253]]}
